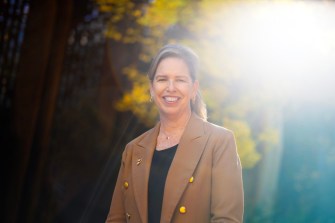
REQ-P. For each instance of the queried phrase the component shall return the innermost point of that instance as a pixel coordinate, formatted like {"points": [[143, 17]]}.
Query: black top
{"points": [[161, 162]]}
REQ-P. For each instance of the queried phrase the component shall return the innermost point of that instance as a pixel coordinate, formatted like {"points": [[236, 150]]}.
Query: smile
{"points": [[171, 99]]}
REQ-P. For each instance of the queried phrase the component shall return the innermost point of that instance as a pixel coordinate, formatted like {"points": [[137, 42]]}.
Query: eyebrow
{"points": [[160, 75], [178, 76]]}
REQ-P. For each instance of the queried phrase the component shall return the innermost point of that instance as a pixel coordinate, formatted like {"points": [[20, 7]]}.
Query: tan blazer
{"points": [[204, 182]]}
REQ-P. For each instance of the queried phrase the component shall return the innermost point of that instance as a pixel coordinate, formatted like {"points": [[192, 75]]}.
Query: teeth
{"points": [[171, 99]]}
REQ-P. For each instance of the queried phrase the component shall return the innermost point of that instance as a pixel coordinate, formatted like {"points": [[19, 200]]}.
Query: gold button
{"points": [[128, 215], [182, 209], [191, 180], [126, 184], [139, 161]]}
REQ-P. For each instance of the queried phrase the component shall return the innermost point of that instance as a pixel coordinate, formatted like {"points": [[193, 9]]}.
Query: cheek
{"points": [[155, 89]]}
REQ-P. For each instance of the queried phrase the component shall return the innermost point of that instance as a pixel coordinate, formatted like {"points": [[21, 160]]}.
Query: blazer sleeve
{"points": [[116, 212], [227, 197]]}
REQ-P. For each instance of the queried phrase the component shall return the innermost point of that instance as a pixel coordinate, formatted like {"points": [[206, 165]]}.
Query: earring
{"points": [[150, 98]]}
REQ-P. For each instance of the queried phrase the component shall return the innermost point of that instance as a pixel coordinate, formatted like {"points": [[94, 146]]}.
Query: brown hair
{"points": [[192, 61]]}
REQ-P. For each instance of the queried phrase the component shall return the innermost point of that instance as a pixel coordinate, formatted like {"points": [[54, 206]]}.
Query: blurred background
{"points": [[73, 92]]}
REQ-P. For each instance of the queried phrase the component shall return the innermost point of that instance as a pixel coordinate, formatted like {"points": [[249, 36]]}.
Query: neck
{"points": [[173, 124]]}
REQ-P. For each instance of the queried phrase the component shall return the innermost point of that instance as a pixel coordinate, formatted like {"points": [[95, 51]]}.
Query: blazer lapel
{"points": [[141, 162], [188, 154]]}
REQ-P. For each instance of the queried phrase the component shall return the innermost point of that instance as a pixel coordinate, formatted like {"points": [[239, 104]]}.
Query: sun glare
{"points": [[287, 47]]}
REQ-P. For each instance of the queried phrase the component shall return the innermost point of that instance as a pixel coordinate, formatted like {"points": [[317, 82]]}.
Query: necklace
{"points": [[165, 140], [167, 137]]}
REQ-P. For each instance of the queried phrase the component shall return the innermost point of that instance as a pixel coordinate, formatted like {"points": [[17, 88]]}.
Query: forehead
{"points": [[172, 65]]}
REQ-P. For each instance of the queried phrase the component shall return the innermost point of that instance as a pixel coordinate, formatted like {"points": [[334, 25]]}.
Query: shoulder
{"points": [[139, 138], [223, 144], [217, 131], [220, 138], [128, 150]]}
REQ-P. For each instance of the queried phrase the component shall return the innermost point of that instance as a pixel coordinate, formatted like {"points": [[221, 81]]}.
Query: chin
{"points": [[166, 112], [170, 112]]}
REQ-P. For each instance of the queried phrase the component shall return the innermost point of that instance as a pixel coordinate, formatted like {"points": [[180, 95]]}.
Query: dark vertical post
{"points": [[35, 93]]}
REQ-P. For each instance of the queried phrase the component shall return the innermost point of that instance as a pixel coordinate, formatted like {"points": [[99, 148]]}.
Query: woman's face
{"points": [[172, 87]]}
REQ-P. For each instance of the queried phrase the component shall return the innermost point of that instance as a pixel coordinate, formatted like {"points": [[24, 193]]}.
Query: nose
{"points": [[171, 86]]}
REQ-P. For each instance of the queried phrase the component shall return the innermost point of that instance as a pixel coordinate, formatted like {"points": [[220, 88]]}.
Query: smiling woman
{"points": [[185, 169]]}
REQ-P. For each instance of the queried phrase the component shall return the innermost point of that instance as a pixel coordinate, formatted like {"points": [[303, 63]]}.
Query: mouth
{"points": [[170, 99]]}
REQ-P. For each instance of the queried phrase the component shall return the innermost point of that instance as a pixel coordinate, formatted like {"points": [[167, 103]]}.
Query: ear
{"points": [[195, 88]]}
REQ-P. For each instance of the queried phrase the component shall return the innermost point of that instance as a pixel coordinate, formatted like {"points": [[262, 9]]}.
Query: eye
{"points": [[182, 80], [161, 79]]}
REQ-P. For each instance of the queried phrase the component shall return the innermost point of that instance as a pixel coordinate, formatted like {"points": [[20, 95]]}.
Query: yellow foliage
{"points": [[162, 13], [137, 99], [113, 34], [269, 138], [245, 144], [119, 11], [144, 57], [105, 8]]}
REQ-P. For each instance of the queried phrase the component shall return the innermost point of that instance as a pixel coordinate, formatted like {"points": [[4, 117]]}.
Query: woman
{"points": [[185, 169]]}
